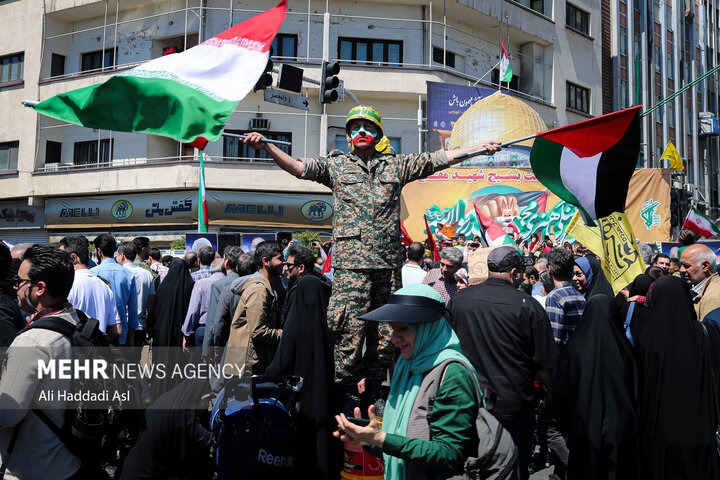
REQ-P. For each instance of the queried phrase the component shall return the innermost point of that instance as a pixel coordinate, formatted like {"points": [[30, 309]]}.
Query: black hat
{"points": [[407, 309], [505, 258]]}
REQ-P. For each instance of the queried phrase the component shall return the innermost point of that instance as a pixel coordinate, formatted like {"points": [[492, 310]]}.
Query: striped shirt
{"points": [[564, 306]]}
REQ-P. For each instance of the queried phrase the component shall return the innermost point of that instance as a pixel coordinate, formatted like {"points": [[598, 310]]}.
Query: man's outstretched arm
{"points": [[293, 166]]}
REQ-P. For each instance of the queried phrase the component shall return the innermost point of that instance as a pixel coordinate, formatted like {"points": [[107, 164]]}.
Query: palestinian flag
{"points": [[506, 73], [187, 96], [700, 224], [327, 266], [491, 233], [589, 164]]}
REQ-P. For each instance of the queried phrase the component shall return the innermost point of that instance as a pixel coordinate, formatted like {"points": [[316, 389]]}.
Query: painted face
{"points": [[363, 133], [403, 337]]}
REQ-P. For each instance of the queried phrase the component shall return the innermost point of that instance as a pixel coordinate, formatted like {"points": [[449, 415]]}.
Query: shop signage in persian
{"points": [[19, 215]]}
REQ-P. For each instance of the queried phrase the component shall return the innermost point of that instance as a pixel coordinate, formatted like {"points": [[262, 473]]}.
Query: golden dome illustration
{"points": [[499, 117]]}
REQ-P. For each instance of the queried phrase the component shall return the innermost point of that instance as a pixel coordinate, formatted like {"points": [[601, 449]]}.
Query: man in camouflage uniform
{"points": [[368, 254]]}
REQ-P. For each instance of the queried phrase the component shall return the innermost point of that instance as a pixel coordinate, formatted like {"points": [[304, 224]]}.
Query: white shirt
{"points": [[412, 274], [94, 297], [145, 286]]}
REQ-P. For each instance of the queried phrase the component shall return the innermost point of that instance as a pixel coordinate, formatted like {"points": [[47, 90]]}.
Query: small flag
{"points": [[506, 73], [671, 155], [187, 96], [405, 239], [492, 234], [700, 224], [589, 164], [431, 242], [202, 200]]}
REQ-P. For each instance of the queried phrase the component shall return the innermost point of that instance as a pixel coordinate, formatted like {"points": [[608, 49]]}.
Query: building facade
{"points": [[659, 47], [71, 179]]}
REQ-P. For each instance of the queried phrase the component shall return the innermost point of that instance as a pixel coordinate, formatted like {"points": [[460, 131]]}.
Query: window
{"points": [[657, 58], [234, 149], [52, 152], [622, 41], [624, 94], [9, 155], [284, 46], [86, 153], [577, 19], [342, 144], [370, 52], [438, 57], [57, 65], [537, 5], [91, 60], [11, 67], [578, 98]]}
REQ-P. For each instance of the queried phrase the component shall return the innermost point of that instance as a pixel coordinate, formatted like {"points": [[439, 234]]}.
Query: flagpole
{"points": [[202, 205], [264, 140], [463, 156], [493, 68]]}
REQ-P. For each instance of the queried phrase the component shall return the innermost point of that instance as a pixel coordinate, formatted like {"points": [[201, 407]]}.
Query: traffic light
{"points": [[674, 206], [683, 205], [265, 79], [329, 82]]}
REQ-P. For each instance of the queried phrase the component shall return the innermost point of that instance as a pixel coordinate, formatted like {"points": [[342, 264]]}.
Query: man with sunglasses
{"points": [[368, 255], [43, 283]]}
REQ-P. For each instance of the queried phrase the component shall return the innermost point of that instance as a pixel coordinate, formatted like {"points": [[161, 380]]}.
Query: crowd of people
{"points": [[602, 385]]}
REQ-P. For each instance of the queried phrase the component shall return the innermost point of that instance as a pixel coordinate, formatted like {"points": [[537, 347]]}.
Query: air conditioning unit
{"points": [[259, 123]]}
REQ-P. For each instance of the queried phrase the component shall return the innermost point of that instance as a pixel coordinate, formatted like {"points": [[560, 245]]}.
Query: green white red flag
{"points": [[589, 164], [700, 224], [187, 96]]}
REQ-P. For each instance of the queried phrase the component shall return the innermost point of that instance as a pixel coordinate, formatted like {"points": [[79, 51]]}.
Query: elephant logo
{"points": [[317, 211]]}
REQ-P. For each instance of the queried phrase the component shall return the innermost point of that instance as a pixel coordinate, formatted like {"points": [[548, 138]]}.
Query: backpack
{"points": [[102, 433], [497, 455]]}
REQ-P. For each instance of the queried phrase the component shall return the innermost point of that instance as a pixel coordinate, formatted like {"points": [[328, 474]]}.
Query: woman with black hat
{"points": [[410, 449]]}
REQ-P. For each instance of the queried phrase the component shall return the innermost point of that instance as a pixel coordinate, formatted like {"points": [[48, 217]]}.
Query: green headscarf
{"points": [[435, 343]]}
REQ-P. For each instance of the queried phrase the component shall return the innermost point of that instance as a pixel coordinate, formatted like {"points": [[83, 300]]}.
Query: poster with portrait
{"points": [[250, 240], [195, 241]]}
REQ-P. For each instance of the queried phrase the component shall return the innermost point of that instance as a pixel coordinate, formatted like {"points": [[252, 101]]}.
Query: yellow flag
{"points": [[588, 236], [671, 155], [621, 260], [614, 242]]}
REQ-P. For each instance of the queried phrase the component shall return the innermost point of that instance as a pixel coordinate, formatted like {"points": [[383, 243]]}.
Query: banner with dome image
{"points": [[459, 116]]}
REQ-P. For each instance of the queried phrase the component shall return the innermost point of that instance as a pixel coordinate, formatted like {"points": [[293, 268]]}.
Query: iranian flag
{"points": [[187, 96], [700, 224], [491, 233], [589, 164], [505, 68]]}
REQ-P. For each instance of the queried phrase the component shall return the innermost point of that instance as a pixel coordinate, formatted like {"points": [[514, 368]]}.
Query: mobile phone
{"points": [[359, 421]]}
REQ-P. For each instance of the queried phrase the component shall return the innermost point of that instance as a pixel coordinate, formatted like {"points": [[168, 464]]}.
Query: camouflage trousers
{"points": [[356, 292]]}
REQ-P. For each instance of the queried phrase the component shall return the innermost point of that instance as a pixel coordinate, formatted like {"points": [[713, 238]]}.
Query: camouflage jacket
{"points": [[366, 197]]}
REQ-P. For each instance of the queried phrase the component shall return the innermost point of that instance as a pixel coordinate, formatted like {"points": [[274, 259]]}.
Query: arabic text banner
{"points": [[516, 200]]}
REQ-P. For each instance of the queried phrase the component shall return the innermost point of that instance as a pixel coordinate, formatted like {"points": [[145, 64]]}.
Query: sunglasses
{"points": [[19, 281]]}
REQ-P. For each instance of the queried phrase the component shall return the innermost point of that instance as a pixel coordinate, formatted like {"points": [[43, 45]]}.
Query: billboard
{"points": [[518, 202]]}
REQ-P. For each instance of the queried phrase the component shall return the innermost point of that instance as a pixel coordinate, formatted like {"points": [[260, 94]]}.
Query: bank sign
{"points": [[180, 208]]}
